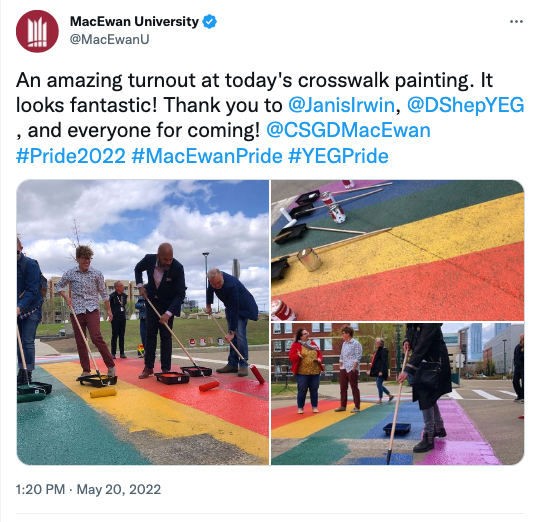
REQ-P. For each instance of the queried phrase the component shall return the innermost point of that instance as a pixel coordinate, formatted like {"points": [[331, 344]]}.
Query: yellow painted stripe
{"points": [[472, 229], [306, 427], [140, 410]]}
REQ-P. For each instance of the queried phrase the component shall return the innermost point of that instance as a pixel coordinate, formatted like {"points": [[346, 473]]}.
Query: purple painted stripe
{"points": [[463, 445]]}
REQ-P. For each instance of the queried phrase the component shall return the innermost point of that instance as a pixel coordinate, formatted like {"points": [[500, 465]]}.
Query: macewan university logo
{"points": [[37, 31]]}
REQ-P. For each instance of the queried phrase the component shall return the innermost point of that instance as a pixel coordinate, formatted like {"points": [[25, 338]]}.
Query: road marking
{"points": [[455, 395], [261, 366], [487, 395], [508, 393]]}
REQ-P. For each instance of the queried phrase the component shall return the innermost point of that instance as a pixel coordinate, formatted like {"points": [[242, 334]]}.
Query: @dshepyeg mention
{"points": [[111, 39]]}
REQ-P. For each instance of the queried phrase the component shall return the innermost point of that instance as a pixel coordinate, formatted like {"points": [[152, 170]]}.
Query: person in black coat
{"points": [[379, 368], [166, 290], [425, 340], [519, 369], [118, 304]]}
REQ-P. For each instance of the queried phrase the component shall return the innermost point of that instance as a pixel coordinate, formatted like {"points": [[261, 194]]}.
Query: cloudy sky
{"points": [[126, 219], [488, 329]]}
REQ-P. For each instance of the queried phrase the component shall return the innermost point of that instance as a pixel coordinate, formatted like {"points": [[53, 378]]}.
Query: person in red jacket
{"points": [[306, 360]]}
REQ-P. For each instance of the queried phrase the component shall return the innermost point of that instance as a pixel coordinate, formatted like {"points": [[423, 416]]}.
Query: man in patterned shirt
{"points": [[351, 353], [87, 284]]}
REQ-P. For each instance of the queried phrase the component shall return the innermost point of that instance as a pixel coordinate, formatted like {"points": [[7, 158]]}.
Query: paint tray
{"points": [[172, 377], [400, 428], [298, 212], [93, 380], [278, 267], [308, 197], [43, 385], [291, 233], [34, 387], [192, 371]]}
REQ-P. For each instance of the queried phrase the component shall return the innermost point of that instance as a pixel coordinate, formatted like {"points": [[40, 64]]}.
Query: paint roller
{"points": [[28, 393], [252, 367], [203, 387], [393, 426], [105, 388], [291, 222]]}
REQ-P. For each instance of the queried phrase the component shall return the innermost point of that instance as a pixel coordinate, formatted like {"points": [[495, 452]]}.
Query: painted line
{"points": [[487, 395], [139, 410], [455, 395], [401, 293], [261, 366], [512, 394], [481, 227]]}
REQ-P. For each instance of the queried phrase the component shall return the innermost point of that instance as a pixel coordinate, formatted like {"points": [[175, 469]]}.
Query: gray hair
{"points": [[213, 273], [117, 283]]}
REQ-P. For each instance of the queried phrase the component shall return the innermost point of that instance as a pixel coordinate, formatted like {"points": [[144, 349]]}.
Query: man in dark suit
{"points": [[239, 307], [166, 289]]}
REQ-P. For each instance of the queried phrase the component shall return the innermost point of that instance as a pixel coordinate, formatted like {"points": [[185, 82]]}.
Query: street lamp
{"points": [[206, 270], [504, 358]]}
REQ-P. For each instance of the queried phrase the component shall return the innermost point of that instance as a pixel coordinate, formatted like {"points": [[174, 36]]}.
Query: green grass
{"points": [[184, 329]]}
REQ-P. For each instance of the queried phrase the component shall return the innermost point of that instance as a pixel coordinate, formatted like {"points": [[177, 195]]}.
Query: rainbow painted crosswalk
{"points": [[455, 251]]}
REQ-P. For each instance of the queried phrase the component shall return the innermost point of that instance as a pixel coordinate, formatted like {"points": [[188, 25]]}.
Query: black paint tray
{"points": [[278, 267], [194, 372], [308, 197], [300, 211], [172, 377], [94, 380], [400, 428], [290, 233]]}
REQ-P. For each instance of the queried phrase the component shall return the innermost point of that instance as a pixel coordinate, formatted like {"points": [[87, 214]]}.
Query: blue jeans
{"points": [[28, 328], [311, 383], [381, 387], [240, 340]]}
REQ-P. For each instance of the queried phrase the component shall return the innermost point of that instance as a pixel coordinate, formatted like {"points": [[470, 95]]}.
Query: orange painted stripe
{"points": [[486, 286]]}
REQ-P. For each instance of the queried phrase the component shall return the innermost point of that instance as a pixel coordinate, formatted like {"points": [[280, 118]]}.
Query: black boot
{"points": [[426, 444], [440, 432], [21, 377]]}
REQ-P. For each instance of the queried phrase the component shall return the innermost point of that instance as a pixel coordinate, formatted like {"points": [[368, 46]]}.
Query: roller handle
{"points": [[23, 359], [175, 337], [393, 427], [253, 368]]}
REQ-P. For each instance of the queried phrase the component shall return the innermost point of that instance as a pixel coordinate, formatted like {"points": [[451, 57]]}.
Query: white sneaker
{"points": [[85, 374], [300, 410], [315, 410], [111, 371]]}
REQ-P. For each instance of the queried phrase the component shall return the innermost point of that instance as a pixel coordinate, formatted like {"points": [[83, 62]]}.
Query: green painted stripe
{"points": [[64, 430], [317, 451]]}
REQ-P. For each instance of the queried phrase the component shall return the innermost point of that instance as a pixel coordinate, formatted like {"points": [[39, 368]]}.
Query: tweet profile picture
{"points": [[37, 31]]}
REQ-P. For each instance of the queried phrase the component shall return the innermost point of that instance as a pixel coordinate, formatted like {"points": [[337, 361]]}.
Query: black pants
{"points": [[118, 332], [519, 382], [153, 327]]}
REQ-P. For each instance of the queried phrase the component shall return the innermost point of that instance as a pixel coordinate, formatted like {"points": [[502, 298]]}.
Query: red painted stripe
{"points": [[486, 285], [241, 409], [284, 416]]}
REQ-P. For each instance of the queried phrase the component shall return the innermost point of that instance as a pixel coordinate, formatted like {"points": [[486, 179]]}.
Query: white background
{"points": [[296, 38]]}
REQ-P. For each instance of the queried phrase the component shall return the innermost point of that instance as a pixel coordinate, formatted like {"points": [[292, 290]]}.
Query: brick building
{"points": [[328, 337]]}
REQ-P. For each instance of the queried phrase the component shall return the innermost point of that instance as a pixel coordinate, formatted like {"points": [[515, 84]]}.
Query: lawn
{"points": [[258, 331]]}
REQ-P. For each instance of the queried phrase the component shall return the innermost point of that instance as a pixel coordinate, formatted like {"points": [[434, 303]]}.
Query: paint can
{"points": [[309, 259], [337, 213], [327, 198], [348, 184], [281, 312]]}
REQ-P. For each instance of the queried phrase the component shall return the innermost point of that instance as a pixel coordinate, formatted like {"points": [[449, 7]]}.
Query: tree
{"points": [[131, 307]]}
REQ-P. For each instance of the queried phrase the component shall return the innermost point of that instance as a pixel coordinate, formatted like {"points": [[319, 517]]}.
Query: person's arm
{"points": [[210, 298], [101, 288], [179, 289], [33, 277], [232, 307], [295, 353], [359, 354], [419, 351], [138, 276]]}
